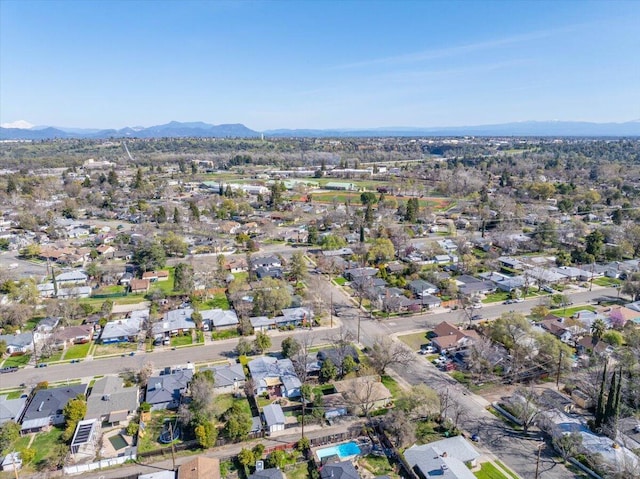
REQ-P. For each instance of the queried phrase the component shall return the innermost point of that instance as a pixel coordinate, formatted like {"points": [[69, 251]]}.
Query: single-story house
{"points": [[75, 334], [510, 263], [289, 317], [110, 401], [174, 322], [137, 286], [228, 378], [450, 338], [121, 330], [46, 407], [153, 276], [271, 473], [276, 377], [236, 265], [11, 409], [263, 272], [554, 326], [200, 467], [20, 343], [126, 279], [334, 405], [219, 318], [273, 418], [75, 277], [353, 273], [448, 458], [266, 262], [337, 252], [420, 287], [339, 470], [165, 391]]}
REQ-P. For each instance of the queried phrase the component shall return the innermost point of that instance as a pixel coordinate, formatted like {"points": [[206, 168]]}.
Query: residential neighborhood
{"points": [[337, 318]]}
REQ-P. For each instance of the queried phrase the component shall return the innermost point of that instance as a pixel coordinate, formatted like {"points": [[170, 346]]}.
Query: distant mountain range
{"points": [[176, 129]]}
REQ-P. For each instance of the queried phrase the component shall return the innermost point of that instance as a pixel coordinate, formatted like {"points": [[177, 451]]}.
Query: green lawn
{"points": [[391, 385], [498, 296], [512, 474], [181, 340], [224, 334], [44, 443], [339, 280], [20, 443], [568, 312], [77, 351], [299, 471], [16, 361], [607, 282], [241, 276], [415, 340], [15, 394], [149, 440], [489, 471], [165, 286], [219, 301]]}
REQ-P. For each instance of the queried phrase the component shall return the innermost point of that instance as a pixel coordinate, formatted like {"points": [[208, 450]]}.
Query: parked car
{"points": [[476, 317], [518, 300], [427, 350], [508, 301]]}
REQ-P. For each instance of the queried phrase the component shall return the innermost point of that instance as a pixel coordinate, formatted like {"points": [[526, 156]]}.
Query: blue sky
{"points": [[318, 64]]}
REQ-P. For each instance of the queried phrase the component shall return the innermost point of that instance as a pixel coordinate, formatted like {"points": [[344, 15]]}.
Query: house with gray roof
{"points": [[270, 473], [420, 287], [276, 377], [11, 409], [219, 318], [448, 458], [122, 330], [110, 401], [165, 391], [45, 408], [75, 277], [174, 322], [289, 317], [273, 418], [228, 378], [339, 470], [20, 343]]}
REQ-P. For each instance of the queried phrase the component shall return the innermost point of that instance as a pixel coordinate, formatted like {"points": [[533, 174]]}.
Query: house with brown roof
{"points": [[75, 334], [449, 338], [200, 467], [153, 276], [139, 286]]}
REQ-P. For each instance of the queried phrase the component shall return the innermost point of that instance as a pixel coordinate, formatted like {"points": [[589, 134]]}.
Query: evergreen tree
{"points": [[601, 404], [161, 215], [194, 211], [112, 179], [361, 234], [12, 187], [137, 183], [176, 215], [368, 215]]}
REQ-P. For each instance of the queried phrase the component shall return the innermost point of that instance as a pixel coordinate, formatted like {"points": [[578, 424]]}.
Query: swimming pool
{"points": [[347, 449]]}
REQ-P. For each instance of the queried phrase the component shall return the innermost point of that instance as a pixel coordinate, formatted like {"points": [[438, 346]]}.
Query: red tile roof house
{"points": [[449, 338]]}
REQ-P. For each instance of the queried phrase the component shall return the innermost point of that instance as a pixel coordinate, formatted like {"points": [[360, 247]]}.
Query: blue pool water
{"points": [[343, 450]]}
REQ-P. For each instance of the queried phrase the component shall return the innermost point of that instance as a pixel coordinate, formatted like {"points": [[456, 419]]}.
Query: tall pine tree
{"points": [[600, 407]]}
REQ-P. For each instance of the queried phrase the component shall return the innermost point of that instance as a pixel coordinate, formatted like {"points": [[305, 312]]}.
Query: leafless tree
{"points": [[301, 358], [400, 427], [479, 359], [386, 352]]}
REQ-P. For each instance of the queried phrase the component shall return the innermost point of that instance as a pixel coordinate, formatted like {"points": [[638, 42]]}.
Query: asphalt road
{"points": [[510, 446]]}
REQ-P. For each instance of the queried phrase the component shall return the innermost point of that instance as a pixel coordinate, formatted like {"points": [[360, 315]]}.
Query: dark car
{"points": [[476, 317], [475, 438]]}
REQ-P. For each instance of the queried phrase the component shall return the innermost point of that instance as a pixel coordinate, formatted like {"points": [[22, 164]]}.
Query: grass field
{"points": [[165, 286], [415, 340], [339, 280], [505, 468], [341, 197], [299, 471], [489, 471], [77, 351]]}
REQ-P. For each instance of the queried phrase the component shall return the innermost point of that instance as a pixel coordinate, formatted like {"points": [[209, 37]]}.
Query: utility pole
{"points": [[538, 461], [558, 373], [359, 317], [331, 310], [173, 447]]}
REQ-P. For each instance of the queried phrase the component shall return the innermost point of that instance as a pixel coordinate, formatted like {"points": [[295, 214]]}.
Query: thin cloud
{"points": [[455, 51]]}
